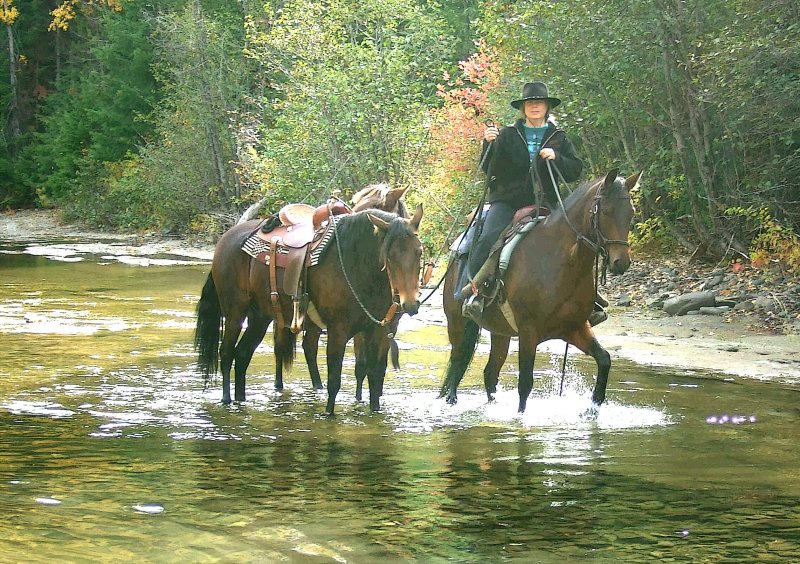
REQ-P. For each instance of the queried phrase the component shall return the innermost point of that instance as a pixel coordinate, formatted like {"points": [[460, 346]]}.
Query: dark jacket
{"points": [[508, 165]]}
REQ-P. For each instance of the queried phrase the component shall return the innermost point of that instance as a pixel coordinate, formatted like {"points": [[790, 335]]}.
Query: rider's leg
{"points": [[496, 220]]}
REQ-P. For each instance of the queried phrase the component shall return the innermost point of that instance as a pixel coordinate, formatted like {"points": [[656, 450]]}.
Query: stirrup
{"points": [[473, 307], [597, 317], [600, 300]]}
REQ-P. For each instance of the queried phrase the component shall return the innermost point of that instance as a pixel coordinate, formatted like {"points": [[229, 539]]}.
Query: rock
{"points": [[681, 305], [624, 300], [744, 306], [764, 303], [717, 310], [711, 283]]}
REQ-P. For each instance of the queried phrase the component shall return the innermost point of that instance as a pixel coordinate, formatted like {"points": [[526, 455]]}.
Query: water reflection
{"points": [[111, 446]]}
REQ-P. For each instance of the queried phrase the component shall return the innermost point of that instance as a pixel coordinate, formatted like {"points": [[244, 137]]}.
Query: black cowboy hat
{"points": [[535, 91]]}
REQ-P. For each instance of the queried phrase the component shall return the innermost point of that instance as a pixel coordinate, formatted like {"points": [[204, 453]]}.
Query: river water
{"points": [[112, 449]]}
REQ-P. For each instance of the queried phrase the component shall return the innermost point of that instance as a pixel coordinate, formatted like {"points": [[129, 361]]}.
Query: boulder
{"points": [[681, 305]]}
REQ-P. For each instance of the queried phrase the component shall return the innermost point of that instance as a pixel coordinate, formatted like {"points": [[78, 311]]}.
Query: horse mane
{"points": [[356, 230], [377, 192], [380, 189], [357, 227], [576, 196]]}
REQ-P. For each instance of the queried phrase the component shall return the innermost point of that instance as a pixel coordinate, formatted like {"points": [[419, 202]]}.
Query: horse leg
{"points": [[527, 357], [585, 340], [497, 357], [230, 334], [463, 335], [375, 350], [257, 326], [310, 350], [337, 340], [361, 365]]}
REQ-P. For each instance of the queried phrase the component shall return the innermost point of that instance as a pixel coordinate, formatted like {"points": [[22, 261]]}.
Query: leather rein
{"points": [[599, 248]]}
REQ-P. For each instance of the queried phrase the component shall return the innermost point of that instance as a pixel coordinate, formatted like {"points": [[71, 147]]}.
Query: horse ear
{"points": [[417, 217], [378, 222], [392, 196], [611, 177], [632, 182]]}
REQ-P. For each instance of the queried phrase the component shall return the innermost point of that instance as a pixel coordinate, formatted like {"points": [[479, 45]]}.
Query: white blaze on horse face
{"points": [[404, 268]]}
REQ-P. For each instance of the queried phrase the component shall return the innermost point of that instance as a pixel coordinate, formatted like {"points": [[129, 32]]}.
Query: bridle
{"points": [[599, 246]]}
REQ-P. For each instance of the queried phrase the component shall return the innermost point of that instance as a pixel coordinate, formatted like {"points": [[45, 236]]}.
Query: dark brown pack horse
{"points": [[549, 287], [375, 196], [380, 259]]}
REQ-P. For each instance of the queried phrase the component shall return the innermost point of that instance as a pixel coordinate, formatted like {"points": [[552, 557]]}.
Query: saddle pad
{"points": [[259, 249]]}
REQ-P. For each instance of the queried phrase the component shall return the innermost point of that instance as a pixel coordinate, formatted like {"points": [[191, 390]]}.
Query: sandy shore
{"points": [[733, 347]]}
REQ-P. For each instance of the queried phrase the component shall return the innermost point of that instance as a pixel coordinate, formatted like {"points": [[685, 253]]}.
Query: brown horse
{"points": [[375, 196], [373, 256], [548, 288]]}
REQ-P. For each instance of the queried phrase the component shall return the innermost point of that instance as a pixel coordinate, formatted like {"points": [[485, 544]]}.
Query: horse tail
{"points": [[394, 352], [460, 356], [285, 342], [208, 329]]}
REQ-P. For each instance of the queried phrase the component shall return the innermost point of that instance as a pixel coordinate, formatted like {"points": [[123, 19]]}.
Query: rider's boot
{"points": [[473, 306], [483, 279]]}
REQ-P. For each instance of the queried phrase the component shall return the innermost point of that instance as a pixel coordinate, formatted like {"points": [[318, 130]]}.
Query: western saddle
{"points": [[289, 251]]}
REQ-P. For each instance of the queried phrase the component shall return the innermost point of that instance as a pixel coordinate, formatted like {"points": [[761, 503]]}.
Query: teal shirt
{"points": [[534, 136]]}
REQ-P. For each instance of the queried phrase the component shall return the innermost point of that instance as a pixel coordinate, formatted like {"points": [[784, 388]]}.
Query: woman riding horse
{"points": [[515, 160], [548, 287]]}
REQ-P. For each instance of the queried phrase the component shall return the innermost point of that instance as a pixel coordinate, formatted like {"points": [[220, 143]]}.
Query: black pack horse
{"points": [[548, 288], [375, 196], [375, 253]]}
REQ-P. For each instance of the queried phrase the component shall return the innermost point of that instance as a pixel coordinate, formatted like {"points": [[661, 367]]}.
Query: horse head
{"points": [[381, 197], [612, 214], [401, 252]]}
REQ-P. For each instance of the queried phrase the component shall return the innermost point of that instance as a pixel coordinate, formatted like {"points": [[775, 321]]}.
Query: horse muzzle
{"points": [[410, 307], [618, 265]]}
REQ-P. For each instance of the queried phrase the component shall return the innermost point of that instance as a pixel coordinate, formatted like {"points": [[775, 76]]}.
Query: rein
{"points": [[601, 247], [476, 216], [395, 305]]}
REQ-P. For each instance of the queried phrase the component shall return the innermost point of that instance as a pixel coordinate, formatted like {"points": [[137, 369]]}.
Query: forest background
{"points": [[177, 115]]}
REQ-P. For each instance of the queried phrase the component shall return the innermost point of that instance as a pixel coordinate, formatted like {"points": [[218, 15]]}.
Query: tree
{"points": [[353, 83]]}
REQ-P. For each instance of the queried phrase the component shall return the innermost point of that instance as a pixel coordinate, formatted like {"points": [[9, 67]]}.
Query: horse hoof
{"points": [[452, 400], [490, 398]]}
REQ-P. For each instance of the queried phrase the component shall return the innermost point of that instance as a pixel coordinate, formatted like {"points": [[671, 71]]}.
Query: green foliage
{"points": [[771, 241], [179, 113], [96, 115], [354, 88], [650, 236]]}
